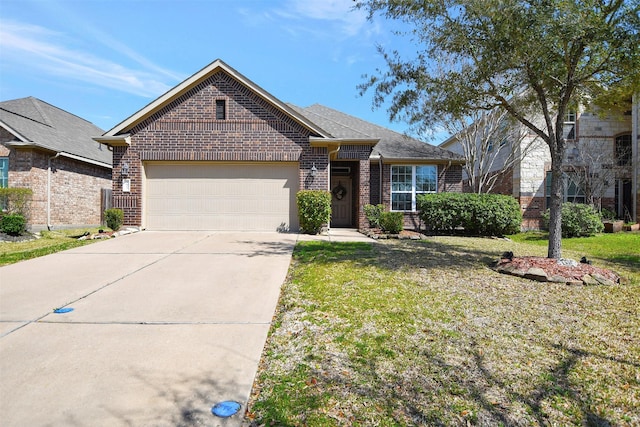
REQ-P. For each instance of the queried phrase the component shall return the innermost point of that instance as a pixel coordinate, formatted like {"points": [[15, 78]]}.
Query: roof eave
{"points": [[326, 142], [414, 160], [123, 140]]}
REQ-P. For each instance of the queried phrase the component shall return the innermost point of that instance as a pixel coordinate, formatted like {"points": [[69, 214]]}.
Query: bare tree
{"points": [[592, 165], [491, 145]]}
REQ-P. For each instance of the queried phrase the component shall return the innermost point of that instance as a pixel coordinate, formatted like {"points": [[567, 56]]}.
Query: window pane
{"points": [[401, 201], [401, 178], [426, 179], [4, 172]]}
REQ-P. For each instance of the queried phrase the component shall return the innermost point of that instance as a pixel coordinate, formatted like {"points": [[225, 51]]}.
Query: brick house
{"points": [[51, 151], [601, 165], [218, 152]]}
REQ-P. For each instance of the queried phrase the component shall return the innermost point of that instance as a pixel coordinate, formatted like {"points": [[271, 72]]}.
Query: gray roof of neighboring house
{"points": [[35, 123], [392, 145]]}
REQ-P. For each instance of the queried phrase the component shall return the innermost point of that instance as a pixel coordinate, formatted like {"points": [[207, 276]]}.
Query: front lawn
{"points": [[622, 248], [50, 242], [425, 333]]}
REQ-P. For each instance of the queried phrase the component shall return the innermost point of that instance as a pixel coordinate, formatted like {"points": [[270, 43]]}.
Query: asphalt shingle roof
{"points": [[43, 125], [392, 145]]}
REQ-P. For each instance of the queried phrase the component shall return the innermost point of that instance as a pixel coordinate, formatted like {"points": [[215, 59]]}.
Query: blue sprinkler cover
{"points": [[225, 409], [63, 310]]}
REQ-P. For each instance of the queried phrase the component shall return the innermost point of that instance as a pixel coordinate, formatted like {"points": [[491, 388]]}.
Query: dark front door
{"points": [[341, 197]]}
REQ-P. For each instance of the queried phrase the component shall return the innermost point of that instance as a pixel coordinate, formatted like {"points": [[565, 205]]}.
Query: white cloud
{"points": [[40, 49]]}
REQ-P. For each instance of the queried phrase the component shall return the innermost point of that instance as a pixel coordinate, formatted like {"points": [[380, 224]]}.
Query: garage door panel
{"points": [[214, 196]]}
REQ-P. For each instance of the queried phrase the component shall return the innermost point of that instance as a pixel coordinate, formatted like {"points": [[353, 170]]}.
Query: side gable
{"points": [[194, 82], [186, 128]]}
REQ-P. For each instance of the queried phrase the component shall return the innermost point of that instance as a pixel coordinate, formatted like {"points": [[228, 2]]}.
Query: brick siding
{"points": [[75, 187], [186, 129]]}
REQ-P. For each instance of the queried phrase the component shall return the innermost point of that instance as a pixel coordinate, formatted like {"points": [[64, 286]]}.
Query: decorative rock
{"points": [[558, 279], [575, 282], [602, 280], [566, 262], [588, 280], [535, 273]]}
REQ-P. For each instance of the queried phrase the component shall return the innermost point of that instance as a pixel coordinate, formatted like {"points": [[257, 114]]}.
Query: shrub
{"points": [[578, 220], [13, 224], [114, 218], [16, 200], [373, 212], [392, 222], [607, 214], [314, 209], [477, 214]]}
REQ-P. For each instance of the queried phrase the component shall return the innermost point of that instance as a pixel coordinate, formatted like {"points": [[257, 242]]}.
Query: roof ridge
{"points": [[36, 103], [335, 121]]}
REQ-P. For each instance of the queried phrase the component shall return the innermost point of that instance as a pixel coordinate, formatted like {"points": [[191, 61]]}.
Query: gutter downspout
{"points": [[49, 190], [380, 192]]}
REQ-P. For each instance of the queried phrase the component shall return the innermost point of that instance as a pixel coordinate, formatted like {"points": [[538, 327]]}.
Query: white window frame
{"points": [[413, 190], [4, 172]]}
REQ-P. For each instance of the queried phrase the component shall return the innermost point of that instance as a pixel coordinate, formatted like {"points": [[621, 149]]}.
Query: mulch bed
{"points": [[553, 270]]}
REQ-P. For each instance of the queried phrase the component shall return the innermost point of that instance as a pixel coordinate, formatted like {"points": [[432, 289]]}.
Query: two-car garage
{"points": [[220, 196]]}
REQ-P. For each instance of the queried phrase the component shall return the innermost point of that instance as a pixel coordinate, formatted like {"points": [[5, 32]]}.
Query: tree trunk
{"points": [[555, 208]]}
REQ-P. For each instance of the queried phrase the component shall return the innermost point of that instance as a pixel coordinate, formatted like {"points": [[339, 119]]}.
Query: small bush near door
{"points": [[114, 218], [314, 210], [392, 222], [373, 213]]}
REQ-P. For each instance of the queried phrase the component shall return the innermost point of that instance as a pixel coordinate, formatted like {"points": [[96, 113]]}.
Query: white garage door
{"points": [[221, 196]]}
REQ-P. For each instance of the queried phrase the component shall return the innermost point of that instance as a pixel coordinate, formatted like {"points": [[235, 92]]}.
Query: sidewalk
{"points": [[337, 235]]}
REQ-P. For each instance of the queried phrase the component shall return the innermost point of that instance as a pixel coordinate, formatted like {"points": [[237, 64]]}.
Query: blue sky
{"points": [[104, 60]]}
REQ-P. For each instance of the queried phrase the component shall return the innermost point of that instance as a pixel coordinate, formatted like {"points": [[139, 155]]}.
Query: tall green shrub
{"points": [[314, 210], [477, 214], [578, 220], [114, 218]]}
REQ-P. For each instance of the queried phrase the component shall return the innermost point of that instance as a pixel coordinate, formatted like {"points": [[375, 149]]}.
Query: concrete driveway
{"points": [[165, 325]]}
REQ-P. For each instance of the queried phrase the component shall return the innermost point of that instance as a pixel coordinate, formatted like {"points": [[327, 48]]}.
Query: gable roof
{"points": [[123, 127], [391, 145], [35, 123]]}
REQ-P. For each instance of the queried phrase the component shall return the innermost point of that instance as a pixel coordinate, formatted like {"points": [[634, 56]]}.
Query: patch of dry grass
{"points": [[425, 333]]}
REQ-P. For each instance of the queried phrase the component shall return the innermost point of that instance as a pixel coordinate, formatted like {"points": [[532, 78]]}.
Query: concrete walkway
{"points": [[164, 326]]}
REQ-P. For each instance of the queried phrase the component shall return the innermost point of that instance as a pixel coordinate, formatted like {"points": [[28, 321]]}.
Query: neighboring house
{"points": [[217, 152], [601, 166], [52, 152]]}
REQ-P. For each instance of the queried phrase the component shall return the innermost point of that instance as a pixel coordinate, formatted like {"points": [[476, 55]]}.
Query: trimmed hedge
{"points": [[477, 214], [578, 220], [314, 210], [392, 222], [13, 224]]}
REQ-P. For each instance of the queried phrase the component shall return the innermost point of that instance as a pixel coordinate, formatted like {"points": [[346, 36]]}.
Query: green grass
{"points": [[50, 242], [424, 333], [623, 248]]}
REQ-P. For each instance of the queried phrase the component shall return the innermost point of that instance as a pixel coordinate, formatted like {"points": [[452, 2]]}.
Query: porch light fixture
{"points": [[125, 169], [314, 170]]}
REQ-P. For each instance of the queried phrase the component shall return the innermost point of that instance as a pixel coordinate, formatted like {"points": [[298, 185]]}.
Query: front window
{"points": [[572, 188], [4, 172], [623, 150], [569, 126], [409, 181]]}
